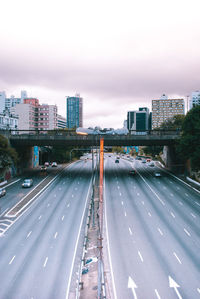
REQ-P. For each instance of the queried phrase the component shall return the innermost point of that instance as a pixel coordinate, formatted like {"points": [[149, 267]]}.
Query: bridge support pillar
{"points": [[29, 157], [170, 159]]}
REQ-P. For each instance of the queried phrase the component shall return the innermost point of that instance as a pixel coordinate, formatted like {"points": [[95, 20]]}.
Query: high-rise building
{"points": [[138, 121], [164, 109], [74, 111], [8, 121], [195, 99], [61, 122]]}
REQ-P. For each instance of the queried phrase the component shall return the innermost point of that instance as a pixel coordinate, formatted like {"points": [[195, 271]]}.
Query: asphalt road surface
{"points": [[153, 231], [39, 250]]}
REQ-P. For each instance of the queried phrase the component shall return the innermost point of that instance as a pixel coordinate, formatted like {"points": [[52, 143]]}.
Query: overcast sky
{"points": [[118, 54]]}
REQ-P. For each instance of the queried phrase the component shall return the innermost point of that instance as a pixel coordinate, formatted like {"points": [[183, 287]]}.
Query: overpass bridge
{"points": [[68, 139]]}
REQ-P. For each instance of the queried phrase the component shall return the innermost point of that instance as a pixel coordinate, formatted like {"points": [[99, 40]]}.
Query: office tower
{"points": [[74, 111], [194, 99], [164, 109], [138, 120]]}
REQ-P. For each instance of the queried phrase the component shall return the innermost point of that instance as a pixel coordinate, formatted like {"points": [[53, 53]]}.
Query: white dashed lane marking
{"points": [[160, 231], [40, 217], [130, 231], [63, 217], [174, 253], [185, 230], [122, 203], [172, 214], [157, 294], [149, 214], [44, 265], [55, 236], [29, 234], [140, 256], [193, 215], [12, 259]]}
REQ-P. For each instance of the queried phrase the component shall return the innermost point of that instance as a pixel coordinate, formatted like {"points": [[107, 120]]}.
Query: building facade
{"points": [[195, 99], [164, 109], [138, 121], [74, 111], [8, 121], [33, 116], [8, 103], [61, 122]]}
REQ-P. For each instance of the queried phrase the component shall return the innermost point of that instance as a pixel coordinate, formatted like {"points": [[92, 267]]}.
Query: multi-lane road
{"points": [[153, 233], [151, 229], [39, 250]]}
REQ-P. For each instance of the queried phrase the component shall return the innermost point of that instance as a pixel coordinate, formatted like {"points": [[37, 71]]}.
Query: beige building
{"points": [[164, 108]]}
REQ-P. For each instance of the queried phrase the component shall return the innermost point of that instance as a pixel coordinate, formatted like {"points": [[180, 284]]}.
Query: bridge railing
{"points": [[73, 133]]}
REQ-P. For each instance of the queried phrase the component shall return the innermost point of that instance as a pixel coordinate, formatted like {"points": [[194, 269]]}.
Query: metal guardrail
{"points": [[73, 133]]}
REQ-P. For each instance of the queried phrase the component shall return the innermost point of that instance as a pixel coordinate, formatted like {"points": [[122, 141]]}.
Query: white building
{"points": [[164, 109], [61, 122], [195, 99], [2, 101], [8, 121]]}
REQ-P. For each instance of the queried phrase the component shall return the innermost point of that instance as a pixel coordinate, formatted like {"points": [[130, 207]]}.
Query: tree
{"points": [[8, 155], [173, 123], [189, 144]]}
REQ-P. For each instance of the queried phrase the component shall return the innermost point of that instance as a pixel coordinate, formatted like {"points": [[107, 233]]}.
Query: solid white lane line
{"points": [[193, 215], [174, 253], [44, 265], [130, 231], [63, 217], [125, 214], [149, 214], [172, 214], [157, 294], [55, 236], [160, 231], [12, 259], [140, 256], [29, 234], [122, 202], [185, 230], [180, 203]]}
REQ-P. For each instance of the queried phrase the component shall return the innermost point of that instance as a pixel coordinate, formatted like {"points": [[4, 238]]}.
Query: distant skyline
{"points": [[119, 55]]}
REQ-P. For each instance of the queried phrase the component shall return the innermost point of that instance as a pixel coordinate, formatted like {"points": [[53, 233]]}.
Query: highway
{"points": [[41, 251], [153, 232]]}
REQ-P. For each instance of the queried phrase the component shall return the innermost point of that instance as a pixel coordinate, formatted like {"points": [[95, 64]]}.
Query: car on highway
{"points": [[46, 164], [27, 183], [157, 174], [43, 168], [143, 161], [54, 164], [132, 172], [116, 161], [151, 164], [2, 192]]}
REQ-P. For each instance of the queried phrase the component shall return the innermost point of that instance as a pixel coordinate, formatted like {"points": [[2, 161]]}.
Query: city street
{"points": [[152, 231]]}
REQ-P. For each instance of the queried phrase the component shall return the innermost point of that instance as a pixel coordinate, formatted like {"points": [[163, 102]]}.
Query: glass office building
{"points": [[74, 112]]}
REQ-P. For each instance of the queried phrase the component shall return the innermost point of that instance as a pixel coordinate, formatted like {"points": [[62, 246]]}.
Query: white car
{"points": [[27, 183], [54, 164], [157, 174]]}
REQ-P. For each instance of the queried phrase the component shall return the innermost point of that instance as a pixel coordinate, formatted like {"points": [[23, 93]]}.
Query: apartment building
{"points": [[61, 122], [194, 99], [164, 109]]}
